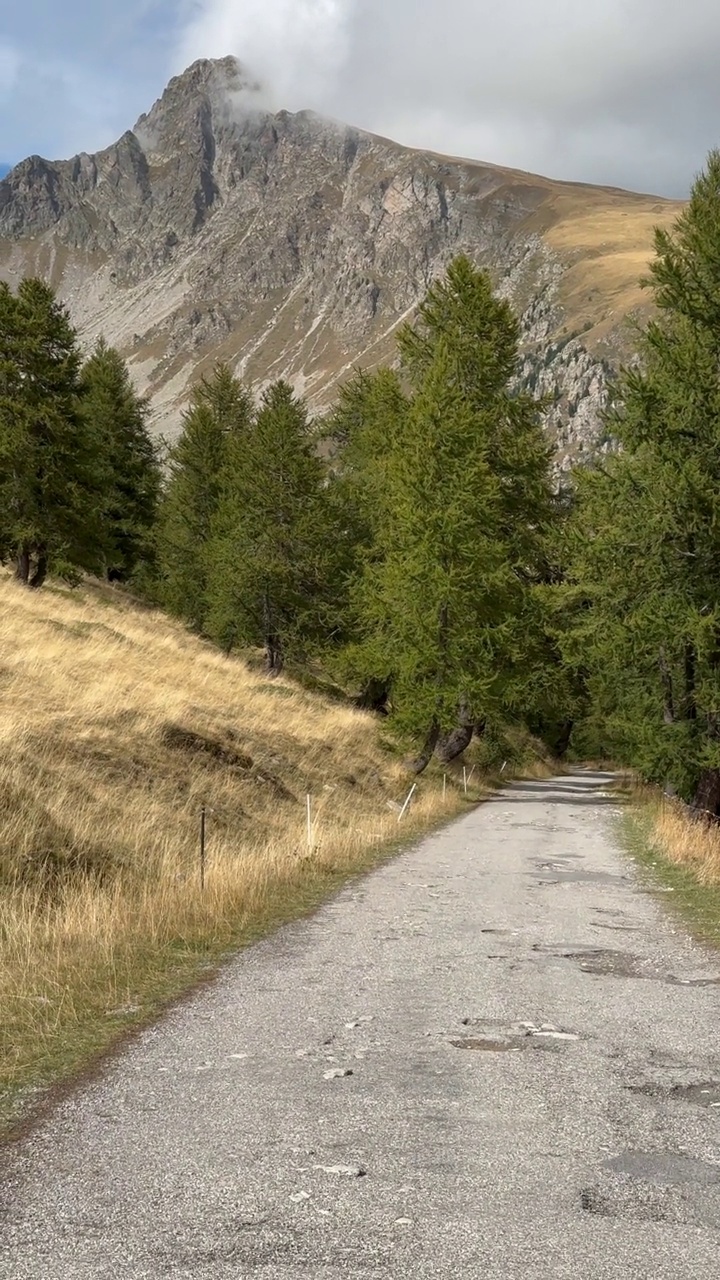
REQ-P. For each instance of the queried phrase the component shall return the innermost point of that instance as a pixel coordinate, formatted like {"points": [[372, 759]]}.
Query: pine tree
{"points": [[359, 430], [647, 532], [437, 591], [118, 416], [50, 458], [220, 410], [273, 569], [458, 476], [482, 334]]}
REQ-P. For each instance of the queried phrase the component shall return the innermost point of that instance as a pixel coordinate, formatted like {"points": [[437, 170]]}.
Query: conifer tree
{"points": [[459, 479], [115, 413], [220, 410], [437, 591], [50, 457], [647, 532], [360, 429], [482, 334], [273, 564]]}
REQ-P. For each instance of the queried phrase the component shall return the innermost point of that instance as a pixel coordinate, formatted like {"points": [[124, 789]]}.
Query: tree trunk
{"points": [[563, 739], [454, 743], [374, 697], [707, 795], [22, 570], [274, 661], [40, 572], [229, 639], [458, 740], [421, 762]]}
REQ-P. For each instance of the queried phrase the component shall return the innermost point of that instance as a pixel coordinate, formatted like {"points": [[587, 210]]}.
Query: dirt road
{"points": [[497, 1058]]}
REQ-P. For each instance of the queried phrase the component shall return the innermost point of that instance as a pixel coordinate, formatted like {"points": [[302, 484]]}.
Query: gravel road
{"points": [[497, 1057]]}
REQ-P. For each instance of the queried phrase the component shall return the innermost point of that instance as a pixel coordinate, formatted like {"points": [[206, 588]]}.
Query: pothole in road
{"points": [[598, 960], [558, 875], [620, 964], [607, 962], [514, 1039], [486, 1046], [619, 928], [656, 1187]]}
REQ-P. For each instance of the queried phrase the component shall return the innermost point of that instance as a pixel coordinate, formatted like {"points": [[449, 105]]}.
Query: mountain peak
{"points": [[221, 83], [290, 245]]}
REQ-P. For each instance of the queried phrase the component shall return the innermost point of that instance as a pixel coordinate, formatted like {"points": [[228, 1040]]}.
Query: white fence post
{"points": [[410, 796]]}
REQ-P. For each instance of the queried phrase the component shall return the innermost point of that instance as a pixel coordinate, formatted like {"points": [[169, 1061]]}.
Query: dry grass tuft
{"points": [[117, 727], [691, 843]]}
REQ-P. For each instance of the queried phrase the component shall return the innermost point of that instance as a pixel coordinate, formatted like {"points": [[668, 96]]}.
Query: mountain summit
{"points": [[293, 246]]}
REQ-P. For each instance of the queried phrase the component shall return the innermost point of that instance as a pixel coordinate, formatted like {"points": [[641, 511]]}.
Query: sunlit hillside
{"points": [[117, 727]]}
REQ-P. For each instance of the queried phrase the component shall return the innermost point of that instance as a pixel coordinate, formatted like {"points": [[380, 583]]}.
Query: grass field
{"points": [[117, 727]]}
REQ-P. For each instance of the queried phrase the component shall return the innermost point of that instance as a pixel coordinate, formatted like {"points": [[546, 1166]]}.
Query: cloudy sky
{"points": [[612, 91]]}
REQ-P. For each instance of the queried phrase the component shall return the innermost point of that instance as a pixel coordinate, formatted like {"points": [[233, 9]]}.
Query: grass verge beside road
{"points": [[680, 856]]}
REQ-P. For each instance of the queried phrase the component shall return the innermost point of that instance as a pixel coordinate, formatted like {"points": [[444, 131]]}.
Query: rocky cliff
{"points": [[293, 246]]}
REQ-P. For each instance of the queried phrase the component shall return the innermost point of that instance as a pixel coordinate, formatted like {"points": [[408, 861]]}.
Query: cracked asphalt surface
{"points": [[496, 1057]]}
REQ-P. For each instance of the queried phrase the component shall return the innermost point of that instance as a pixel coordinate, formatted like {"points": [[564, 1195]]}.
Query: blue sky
{"points": [[622, 92], [74, 74]]}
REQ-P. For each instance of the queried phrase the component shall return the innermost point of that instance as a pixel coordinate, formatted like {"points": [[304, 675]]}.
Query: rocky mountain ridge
{"points": [[293, 246]]}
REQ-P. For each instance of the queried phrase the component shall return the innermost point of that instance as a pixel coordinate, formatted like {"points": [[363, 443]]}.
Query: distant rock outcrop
{"points": [[291, 245]]}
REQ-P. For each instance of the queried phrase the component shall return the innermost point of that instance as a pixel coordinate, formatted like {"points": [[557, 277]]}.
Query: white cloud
{"points": [[622, 91], [294, 47], [615, 91]]}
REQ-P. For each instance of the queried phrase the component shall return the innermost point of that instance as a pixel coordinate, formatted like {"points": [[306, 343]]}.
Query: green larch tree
{"points": [[458, 480], [220, 410], [117, 415], [647, 531], [273, 577]]}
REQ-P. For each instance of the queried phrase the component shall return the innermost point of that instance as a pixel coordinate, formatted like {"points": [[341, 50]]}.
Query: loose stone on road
{"points": [[497, 1057]]}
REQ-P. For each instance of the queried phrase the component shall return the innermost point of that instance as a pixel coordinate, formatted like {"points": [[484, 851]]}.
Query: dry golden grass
{"points": [[693, 844], [117, 727], [606, 238], [681, 855]]}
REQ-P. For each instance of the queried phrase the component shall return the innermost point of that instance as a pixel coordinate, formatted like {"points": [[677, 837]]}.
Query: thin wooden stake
{"points": [[471, 773], [202, 848], [410, 796]]}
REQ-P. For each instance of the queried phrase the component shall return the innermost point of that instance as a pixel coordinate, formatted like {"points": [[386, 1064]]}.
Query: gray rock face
{"points": [[293, 246]]}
